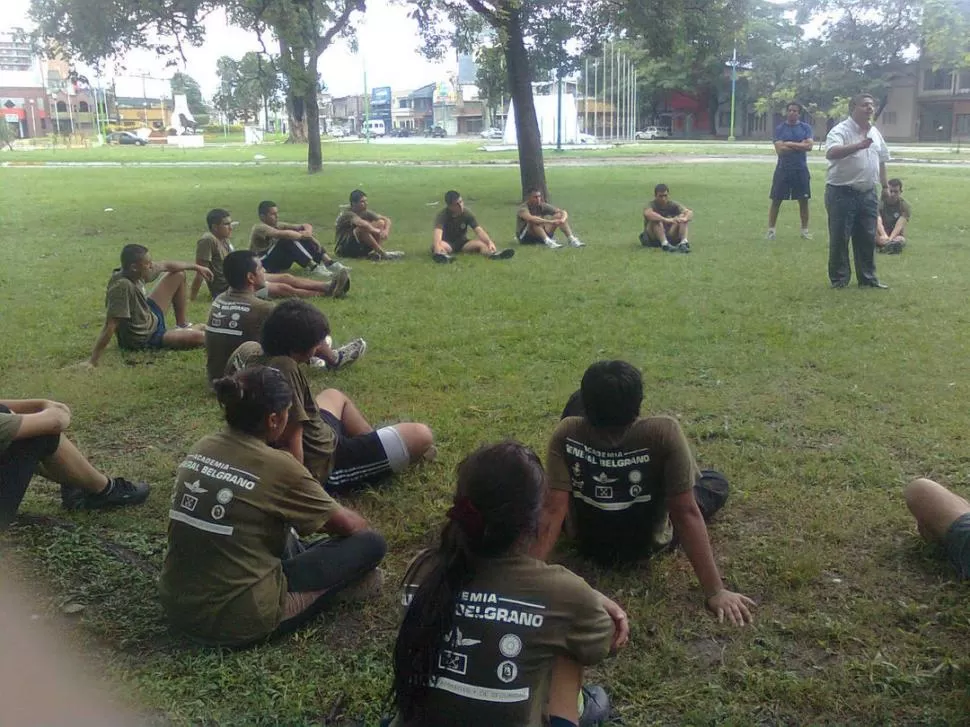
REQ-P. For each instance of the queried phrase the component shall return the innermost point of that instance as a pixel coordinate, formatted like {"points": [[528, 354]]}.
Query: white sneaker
{"points": [[393, 254], [349, 353], [320, 271], [806, 235], [770, 235], [552, 244], [336, 266], [317, 363], [576, 242]]}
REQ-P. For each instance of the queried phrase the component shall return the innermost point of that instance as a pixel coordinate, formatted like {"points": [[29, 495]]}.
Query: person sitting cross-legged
{"points": [[624, 479], [536, 223], [491, 636], [894, 215], [360, 232], [327, 432], [665, 222], [450, 235], [942, 517], [236, 572], [139, 319], [237, 316], [32, 440], [281, 244], [213, 247]]}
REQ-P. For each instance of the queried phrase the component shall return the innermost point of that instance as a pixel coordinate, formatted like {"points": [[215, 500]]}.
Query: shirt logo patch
{"points": [[452, 661], [195, 488], [510, 646], [507, 671], [224, 496], [604, 479], [635, 490], [189, 502], [218, 512], [604, 493]]}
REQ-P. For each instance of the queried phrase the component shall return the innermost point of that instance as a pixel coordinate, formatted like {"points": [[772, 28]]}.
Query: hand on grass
{"points": [[621, 626], [731, 604], [85, 365]]}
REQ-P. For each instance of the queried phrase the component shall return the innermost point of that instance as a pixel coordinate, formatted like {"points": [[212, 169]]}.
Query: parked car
{"points": [[337, 132], [492, 133], [400, 131], [436, 132], [125, 137], [587, 138], [652, 132]]}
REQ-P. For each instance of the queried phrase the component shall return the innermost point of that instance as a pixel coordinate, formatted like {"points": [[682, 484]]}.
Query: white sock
{"points": [[771, 229], [804, 230]]}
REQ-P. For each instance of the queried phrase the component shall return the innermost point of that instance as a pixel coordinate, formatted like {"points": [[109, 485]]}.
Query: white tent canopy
{"points": [[546, 108]]}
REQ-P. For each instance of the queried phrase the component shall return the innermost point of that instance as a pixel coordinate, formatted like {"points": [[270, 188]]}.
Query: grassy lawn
{"points": [[818, 405]]}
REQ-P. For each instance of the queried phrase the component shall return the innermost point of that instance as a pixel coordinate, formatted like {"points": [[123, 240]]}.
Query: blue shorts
{"points": [[791, 184], [957, 545], [156, 340]]}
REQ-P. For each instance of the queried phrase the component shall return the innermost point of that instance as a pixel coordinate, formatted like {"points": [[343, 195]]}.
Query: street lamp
{"points": [[734, 83]]}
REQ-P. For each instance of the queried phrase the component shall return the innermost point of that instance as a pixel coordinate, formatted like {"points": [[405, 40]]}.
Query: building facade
{"points": [[23, 97]]}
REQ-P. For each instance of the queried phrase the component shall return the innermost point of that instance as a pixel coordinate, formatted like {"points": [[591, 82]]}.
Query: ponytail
{"points": [[496, 505], [251, 395]]}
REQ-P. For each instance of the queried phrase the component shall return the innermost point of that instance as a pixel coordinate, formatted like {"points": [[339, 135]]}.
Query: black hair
{"points": [[216, 216], [660, 188], [451, 196], [237, 265], [532, 190], [131, 254], [293, 327], [794, 103], [249, 396], [498, 500], [265, 206], [612, 392], [895, 182], [357, 195]]}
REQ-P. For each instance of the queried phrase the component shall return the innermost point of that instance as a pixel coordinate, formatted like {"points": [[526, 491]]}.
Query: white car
{"points": [[492, 133], [586, 138], [337, 133], [652, 132]]}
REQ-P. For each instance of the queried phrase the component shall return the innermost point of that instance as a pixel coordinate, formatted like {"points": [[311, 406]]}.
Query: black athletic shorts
{"points": [[529, 239], [350, 246], [357, 461], [791, 184], [957, 544]]}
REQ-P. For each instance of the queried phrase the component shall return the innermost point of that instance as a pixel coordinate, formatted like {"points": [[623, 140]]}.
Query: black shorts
{"points": [[358, 462], [526, 238], [350, 246], [791, 184], [957, 544], [648, 240], [456, 245]]}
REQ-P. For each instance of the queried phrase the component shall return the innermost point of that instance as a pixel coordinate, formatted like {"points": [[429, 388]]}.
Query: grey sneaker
{"points": [[502, 254], [806, 235], [349, 353], [684, 247], [393, 254], [339, 284], [552, 244], [336, 266], [119, 493], [319, 271], [576, 242], [770, 235], [596, 706], [443, 258]]}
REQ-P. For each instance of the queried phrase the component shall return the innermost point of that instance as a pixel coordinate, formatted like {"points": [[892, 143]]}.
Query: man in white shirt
{"points": [[857, 156]]}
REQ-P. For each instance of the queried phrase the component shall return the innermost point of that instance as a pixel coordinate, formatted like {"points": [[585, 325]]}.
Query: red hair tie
{"points": [[468, 518]]}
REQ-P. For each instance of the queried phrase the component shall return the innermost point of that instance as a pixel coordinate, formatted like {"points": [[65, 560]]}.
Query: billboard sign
{"points": [[380, 96]]}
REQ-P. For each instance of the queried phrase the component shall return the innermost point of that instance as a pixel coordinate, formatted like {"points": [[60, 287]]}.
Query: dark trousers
{"points": [[17, 466], [304, 252], [330, 564], [852, 214]]}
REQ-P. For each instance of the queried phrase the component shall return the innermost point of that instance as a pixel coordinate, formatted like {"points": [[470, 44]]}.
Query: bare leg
{"points": [[560, 225], [67, 466], [773, 212], [365, 237], [417, 437], [185, 337], [803, 212], [934, 507], [340, 405], [476, 246], [170, 291], [284, 285], [565, 684], [540, 231], [657, 232]]}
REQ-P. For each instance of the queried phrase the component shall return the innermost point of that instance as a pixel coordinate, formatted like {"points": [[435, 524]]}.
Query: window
{"points": [[83, 107], [404, 103], [888, 118], [963, 82], [940, 80], [62, 107], [757, 122], [963, 124]]}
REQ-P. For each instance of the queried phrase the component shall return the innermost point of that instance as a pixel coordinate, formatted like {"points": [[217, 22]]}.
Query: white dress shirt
{"points": [[860, 169]]}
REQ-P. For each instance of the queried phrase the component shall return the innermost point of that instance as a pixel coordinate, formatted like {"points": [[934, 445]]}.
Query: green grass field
{"points": [[818, 404]]}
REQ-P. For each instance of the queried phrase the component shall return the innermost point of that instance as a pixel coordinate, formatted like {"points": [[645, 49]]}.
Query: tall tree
{"points": [[226, 99], [946, 33], [492, 78]]}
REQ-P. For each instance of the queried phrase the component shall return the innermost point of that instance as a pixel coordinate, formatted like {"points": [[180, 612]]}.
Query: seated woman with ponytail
{"points": [[235, 572], [492, 636]]}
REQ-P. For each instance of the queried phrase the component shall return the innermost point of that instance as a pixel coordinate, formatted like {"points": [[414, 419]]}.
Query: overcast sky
{"points": [[387, 37]]}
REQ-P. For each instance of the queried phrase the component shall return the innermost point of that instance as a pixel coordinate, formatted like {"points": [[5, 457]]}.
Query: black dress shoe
{"points": [[874, 284]]}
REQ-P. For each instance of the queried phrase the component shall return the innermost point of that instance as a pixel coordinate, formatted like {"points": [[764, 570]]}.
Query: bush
{"points": [[214, 129]]}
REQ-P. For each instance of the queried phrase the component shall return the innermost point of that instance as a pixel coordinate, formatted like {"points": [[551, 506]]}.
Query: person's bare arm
{"points": [[483, 236], [104, 338], [52, 418], [653, 216], [883, 176], [26, 406], [286, 233], [369, 226], [530, 218], [805, 145], [900, 227], [690, 528], [437, 240], [292, 439], [345, 522], [197, 282], [177, 266], [782, 148], [880, 229], [554, 508]]}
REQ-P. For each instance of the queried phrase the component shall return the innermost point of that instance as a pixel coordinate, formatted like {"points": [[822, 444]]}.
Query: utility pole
{"points": [[558, 109], [734, 82]]}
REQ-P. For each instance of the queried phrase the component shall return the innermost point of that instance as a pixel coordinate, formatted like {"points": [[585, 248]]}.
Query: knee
{"points": [[179, 276], [372, 546], [419, 439], [917, 491]]}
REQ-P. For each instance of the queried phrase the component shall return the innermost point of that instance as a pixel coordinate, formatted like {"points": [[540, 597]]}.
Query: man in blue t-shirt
{"points": [[793, 139]]}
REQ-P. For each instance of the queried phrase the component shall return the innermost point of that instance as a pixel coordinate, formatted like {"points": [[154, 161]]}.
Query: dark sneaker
{"points": [[502, 254], [893, 248], [120, 493], [443, 257], [596, 706], [684, 247], [340, 285]]}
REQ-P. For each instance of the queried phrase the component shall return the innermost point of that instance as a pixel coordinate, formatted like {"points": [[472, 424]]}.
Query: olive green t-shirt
{"points": [[263, 237], [9, 426], [234, 502], [541, 210], [671, 209], [212, 252], [127, 301], [891, 212], [511, 622], [234, 318], [620, 482], [345, 222], [319, 438], [455, 228]]}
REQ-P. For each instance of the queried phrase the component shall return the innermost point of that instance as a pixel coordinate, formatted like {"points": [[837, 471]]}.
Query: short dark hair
{"points": [[357, 195], [612, 392], [451, 196], [293, 327], [660, 188], [249, 396], [131, 254], [794, 103], [216, 216], [857, 99], [532, 190], [265, 206], [237, 265], [895, 182]]}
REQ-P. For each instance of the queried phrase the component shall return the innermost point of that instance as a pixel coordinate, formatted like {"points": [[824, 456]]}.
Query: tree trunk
{"points": [[532, 170], [296, 110], [713, 104], [311, 106], [294, 100]]}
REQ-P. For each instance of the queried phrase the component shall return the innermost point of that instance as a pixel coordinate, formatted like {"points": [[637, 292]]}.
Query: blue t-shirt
{"points": [[799, 132]]}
